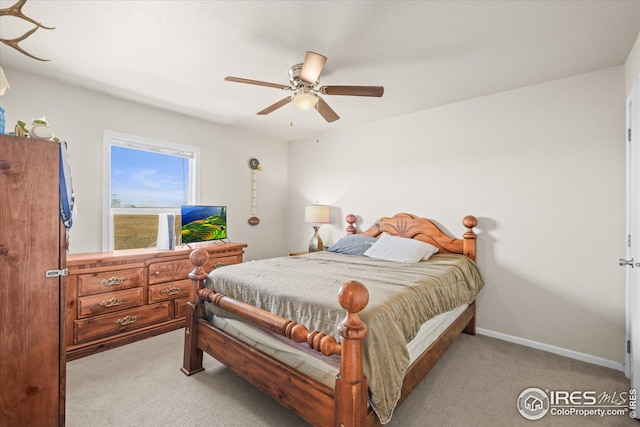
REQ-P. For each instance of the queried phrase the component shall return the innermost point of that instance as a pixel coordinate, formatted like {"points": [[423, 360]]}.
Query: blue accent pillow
{"points": [[353, 244]]}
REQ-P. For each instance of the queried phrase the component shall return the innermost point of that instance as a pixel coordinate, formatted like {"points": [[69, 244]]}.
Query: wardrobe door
{"points": [[32, 366]]}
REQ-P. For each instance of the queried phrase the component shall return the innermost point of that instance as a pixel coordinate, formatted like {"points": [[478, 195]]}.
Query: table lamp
{"points": [[316, 214]]}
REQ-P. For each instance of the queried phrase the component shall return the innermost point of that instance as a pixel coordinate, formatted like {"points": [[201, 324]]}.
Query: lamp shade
{"points": [[312, 67], [317, 214]]}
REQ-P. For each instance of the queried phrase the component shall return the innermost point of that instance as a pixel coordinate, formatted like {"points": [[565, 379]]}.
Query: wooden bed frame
{"points": [[346, 405]]}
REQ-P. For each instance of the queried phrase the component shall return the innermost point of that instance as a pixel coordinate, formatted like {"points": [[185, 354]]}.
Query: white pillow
{"points": [[401, 249], [431, 251]]}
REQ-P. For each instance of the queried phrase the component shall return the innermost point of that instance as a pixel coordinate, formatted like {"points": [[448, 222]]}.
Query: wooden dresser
{"points": [[32, 257], [115, 298]]}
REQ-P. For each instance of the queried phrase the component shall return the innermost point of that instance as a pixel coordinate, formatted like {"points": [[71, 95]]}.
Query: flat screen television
{"points": [[203, 223]]}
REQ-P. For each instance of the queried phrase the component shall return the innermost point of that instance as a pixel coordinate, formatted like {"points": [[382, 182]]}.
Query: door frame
{"points": [[632, 238]]}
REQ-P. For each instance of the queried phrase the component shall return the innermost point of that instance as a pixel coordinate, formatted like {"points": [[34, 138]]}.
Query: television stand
{"points": [[116, 298]]}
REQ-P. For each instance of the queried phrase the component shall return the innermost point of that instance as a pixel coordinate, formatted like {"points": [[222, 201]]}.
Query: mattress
{"points": [[316, 365]]}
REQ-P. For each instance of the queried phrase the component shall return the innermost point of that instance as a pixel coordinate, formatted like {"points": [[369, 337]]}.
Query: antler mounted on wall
{"points": [[16, 10]]}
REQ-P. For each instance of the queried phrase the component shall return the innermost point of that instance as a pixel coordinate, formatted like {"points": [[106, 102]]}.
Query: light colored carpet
{"points": [[476, 383]]}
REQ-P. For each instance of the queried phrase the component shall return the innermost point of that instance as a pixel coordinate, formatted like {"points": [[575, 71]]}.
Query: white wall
{"points": [[543, 169], [80, 116], [632, 66]]}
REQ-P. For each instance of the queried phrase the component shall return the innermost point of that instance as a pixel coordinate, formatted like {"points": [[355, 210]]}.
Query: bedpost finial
{"points": [[351, 219], [469, 245], [353, 296], [470, 221], [199, 257]]}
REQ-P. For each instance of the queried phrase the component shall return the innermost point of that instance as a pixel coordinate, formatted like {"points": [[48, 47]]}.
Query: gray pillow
{"points": [[353, 244]]}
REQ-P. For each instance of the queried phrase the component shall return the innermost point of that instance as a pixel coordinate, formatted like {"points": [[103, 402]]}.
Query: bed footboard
{"points": [[350, 394]]}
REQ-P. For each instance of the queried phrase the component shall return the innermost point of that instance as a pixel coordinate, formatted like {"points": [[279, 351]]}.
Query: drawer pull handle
{"points": [[113, 281], [220, 264], [172, 291], [127, 320], [112, 302]]}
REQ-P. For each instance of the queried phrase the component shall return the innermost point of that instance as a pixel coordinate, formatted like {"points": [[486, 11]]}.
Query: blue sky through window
{"points": [[145, 179]]}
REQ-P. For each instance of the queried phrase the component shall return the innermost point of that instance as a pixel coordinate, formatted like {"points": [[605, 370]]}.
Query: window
{"points": [[143, 178]]}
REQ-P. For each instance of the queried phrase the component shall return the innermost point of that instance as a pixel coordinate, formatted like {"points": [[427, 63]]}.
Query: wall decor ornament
{"points": [[255, 166], [16, 11]]}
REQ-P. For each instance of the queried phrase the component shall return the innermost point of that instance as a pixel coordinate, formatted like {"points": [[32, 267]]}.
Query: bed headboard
{"points": [[413, 227]]}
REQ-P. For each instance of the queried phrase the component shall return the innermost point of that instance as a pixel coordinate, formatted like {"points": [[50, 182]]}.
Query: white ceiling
{"points": [[175, 54]]}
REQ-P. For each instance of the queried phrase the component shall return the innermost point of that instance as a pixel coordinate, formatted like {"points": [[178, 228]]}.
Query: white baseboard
{"points": [[619, 366]]}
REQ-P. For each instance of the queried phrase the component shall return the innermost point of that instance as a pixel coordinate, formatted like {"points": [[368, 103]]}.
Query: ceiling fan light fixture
{"points": [[304, 99]]}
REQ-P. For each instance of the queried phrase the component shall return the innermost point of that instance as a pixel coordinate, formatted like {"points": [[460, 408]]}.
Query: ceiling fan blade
{"points": [[326, 111], [273, 107], [312, 67], [256, 82], [376, 91]]}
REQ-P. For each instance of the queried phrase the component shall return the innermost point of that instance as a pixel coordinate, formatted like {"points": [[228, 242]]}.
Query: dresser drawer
{"points": [[126, 320], [109, 281], [168, 291], [109, 302], [169, 271], [176, 270], [181, 307], [214, 263]]}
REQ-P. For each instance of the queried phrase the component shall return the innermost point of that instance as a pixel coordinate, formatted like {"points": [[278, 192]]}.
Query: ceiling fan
{"points": [[305, 85]]}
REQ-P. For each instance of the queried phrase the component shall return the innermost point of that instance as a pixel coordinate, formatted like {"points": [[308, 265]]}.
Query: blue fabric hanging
{"points": [[67, 200]]}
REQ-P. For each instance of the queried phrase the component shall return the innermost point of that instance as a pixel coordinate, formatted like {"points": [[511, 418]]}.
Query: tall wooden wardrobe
{"points": [[32, 255]]}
